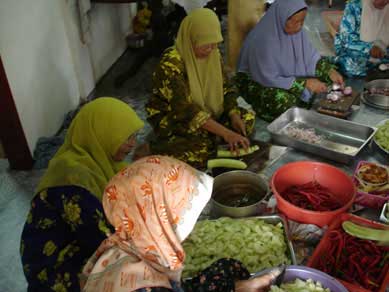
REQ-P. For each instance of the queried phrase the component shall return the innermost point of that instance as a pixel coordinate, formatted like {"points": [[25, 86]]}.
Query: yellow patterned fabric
{"points": [[94, 136], [177, 122], [198, 121], [205, 76]]}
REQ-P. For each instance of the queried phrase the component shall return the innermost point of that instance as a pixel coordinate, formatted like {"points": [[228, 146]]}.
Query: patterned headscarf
{"points": [[375, 22], [153, 204], [205, 76], [86, 157]]}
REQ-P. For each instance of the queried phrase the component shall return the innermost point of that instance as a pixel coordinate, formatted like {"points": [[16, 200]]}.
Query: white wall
{"points": [[38, 64], [48, 67], [110, 23]]}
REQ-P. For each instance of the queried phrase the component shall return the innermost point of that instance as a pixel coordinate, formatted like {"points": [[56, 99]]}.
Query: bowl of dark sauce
{"points": [[239, 193]]}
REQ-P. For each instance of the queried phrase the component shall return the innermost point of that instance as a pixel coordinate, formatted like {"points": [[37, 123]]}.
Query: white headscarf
{"points": [[374, 23]]}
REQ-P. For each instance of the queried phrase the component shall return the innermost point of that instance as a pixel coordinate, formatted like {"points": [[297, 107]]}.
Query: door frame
{"points": [[12, 134]]}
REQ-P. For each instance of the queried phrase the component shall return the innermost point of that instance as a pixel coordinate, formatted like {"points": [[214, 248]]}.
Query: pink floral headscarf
{"points": [[153, 204]]}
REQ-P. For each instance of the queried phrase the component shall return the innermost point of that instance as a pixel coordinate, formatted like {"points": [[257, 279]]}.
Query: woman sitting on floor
{"points": [[66, 222], [192, 101], [154, 204], [363, 38], [278, 67]]}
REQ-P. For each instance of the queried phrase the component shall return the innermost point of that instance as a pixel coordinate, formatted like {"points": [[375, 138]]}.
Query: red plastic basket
{"points": [[300, 172], [322, 247], [366, 199]]}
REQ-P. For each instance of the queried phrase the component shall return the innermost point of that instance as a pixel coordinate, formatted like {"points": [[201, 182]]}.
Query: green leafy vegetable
{"points": [[257, 244]]}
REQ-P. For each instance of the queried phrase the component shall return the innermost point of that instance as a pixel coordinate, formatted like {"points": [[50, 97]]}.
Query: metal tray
{"points": [[342, 139], [376, 100], [275, 219]]}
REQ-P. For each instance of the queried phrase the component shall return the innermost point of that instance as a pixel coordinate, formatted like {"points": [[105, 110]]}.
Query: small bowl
{"points": [[384, 217], [375, 184], [241, 187], [304, 273], [301, 172], [370, 200]]}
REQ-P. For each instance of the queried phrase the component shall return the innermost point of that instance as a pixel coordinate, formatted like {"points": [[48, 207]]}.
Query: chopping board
{"points": [[255, 161], [341, 108], [375, 73]]}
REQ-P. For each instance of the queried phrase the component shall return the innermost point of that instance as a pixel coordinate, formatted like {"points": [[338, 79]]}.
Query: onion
{"points": [[307, 135], [381, 91], [336, 87], [383, 67], [348, 90], [334, 96]]}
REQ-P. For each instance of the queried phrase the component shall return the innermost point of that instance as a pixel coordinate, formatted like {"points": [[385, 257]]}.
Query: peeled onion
{"points": [[334, 96], [336, 87], [383, 67], [348, 90]]}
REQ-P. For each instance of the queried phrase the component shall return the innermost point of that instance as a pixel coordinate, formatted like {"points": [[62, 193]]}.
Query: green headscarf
{"points": [[202, 27], [93, 138]]}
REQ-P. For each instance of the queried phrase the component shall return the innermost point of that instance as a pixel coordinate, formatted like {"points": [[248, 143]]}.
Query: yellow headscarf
{"points": [[94, 136], [202, 27]]}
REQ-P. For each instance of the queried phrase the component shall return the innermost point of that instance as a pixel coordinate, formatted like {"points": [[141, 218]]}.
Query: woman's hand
{"points": [[377, 53], [237, 124], [235, 141], [259, 284], [314, 85], [336, 77]]}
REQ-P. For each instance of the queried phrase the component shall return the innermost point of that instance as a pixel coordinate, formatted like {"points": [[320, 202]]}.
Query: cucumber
{"points": [[366, 232], [242, 152], [226, 162]]}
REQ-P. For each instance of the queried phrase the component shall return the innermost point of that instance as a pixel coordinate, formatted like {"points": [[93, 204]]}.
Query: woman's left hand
{"points": [[336, 77], [238, 124]]}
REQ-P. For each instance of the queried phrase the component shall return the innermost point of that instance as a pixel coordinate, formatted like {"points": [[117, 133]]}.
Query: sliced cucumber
{"points": [[241, 152], [366, 232]]}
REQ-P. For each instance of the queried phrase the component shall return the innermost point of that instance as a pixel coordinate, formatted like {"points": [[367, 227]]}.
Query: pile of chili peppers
{"points": [[354, 260], [311, 196]]}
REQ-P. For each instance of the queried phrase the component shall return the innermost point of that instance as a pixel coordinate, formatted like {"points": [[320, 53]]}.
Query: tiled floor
{"points": [[16, 188]]}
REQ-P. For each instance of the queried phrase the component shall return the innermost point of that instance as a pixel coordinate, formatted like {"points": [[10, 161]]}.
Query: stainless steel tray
{"points": [[342, 139], [275, 219], [376, 100]]}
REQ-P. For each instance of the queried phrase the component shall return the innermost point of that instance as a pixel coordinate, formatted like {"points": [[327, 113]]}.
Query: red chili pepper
{"points": [[311, 196], [355, 260]]}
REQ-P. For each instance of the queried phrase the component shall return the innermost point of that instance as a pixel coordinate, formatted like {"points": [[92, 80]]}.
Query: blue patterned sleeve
{"points": [[348, 37]]}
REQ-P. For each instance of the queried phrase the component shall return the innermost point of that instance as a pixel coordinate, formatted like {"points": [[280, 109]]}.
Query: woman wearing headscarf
{"points": [[363, 38], [66, 221], [192, 101], [278, 67], [154, 204]]}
